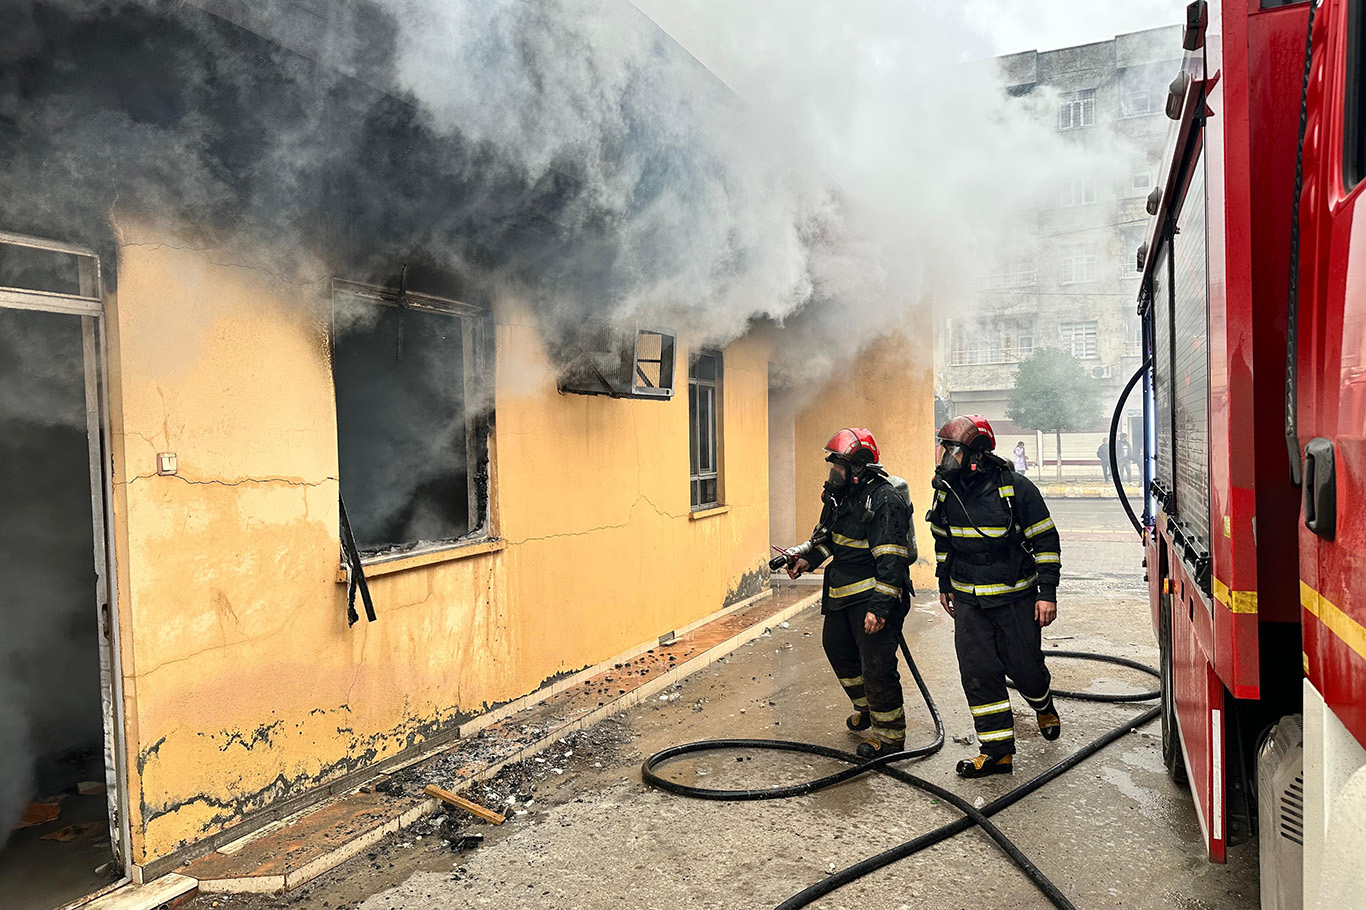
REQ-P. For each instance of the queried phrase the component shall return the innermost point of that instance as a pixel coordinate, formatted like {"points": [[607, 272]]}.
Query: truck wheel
{"points": [[1171, 739]]}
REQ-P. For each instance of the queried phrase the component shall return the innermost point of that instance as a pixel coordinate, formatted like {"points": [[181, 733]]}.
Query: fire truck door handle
{"points": [[1320, 488]]}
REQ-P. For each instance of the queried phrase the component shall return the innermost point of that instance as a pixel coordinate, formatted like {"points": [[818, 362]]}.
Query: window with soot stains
{"points": [[414, 403]]}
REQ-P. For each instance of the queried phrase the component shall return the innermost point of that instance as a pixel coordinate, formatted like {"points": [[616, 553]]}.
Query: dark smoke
{"points": [[566, 150], [49, 660]]}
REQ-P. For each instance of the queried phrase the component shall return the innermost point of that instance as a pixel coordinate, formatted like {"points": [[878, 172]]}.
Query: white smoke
{"points": [[861, 165]]}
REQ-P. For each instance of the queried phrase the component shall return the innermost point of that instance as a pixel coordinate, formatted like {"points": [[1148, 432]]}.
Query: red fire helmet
{"points": [[855, 445], [972, 431]]}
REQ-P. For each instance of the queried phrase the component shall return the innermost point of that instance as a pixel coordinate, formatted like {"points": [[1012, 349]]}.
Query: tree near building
{"points": [[1052, 393]]}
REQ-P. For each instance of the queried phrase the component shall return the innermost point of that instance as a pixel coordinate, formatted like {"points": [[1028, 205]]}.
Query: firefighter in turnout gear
{"points": [[863, 531], [998, 561]]}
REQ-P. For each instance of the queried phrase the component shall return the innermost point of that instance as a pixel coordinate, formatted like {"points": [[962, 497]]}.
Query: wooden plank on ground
{"points": [[473, 808]]}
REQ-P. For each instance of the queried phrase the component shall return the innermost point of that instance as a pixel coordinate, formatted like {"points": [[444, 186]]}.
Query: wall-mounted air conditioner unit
{"points": [[622, 365]]}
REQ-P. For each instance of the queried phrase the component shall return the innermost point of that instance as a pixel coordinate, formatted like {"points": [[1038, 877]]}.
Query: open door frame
{"points": [[89, 305]]}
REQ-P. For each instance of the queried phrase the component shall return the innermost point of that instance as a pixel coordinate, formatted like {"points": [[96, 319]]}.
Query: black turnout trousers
{"points": [[866, 667], [993, 643]]}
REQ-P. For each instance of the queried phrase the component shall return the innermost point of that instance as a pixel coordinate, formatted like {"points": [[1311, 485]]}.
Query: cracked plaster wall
{"points": [[244, 684], [889, 390]]}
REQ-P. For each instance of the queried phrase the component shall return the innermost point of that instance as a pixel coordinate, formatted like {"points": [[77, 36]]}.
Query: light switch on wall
{"points": [[166, 465]]}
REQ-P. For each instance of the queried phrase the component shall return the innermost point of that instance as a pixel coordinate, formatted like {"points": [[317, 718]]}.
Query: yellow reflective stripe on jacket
{"points": [[857, 587], [891, 549], [938, 531], [993, 590], [1055, 558], [1007, 491], [995, 707], [941, 495], [823, 550], [860, 542], [1039, 527], [941, 557], [993, 531], [995, 736], [884, 588]]}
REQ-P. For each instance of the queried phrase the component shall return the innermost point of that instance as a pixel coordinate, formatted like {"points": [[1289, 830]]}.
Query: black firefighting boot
{"points": [[985, 765], [876, 748], [859, 720], [1050, 725]]}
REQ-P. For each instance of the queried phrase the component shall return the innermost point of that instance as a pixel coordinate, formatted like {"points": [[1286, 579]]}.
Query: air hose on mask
{"points": [[884, 765]]}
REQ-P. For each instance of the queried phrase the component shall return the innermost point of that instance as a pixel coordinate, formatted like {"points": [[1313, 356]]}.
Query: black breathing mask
{"points": [[950, 467], [837, 485]]}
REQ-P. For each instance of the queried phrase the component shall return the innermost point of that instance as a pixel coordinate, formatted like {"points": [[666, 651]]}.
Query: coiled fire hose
{"points": [[884, 765]]}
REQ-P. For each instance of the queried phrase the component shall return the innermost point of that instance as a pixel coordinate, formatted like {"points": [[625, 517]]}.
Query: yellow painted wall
{"points": [[890, 391], [243, 682]]}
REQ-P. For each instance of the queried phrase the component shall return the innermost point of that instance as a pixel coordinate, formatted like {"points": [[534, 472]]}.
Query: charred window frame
{"points": [[412, 375], [704, 429], [1354, 125]]}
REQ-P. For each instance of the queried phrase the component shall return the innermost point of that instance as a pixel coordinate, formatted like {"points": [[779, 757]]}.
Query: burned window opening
{"points": [[608, 362], [414, 392]]}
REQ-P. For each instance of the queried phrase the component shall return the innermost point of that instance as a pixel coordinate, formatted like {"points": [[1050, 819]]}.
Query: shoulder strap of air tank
{"points": [[1006, 487]]}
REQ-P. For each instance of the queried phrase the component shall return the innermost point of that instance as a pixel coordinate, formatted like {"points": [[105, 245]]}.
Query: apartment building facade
{"points": [[1069, 278]]}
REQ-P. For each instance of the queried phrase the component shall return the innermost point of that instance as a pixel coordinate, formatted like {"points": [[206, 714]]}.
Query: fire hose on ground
{"points": [[885, 765]]}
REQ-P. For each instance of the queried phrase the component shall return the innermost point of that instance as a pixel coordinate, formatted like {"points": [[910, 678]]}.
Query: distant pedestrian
{"points": [[1021, 462], [1125, 455], [1103, 453]]}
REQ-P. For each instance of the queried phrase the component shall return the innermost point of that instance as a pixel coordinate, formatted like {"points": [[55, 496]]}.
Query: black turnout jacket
{"points": [[1020, 555], [865, 537]]}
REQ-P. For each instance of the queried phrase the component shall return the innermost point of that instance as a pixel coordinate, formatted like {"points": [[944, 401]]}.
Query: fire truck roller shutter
{"points": [[1162, 361], [1190, 359]]}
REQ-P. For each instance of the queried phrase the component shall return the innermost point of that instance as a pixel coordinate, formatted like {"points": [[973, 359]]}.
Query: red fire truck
{"points": [[1254, 311]]}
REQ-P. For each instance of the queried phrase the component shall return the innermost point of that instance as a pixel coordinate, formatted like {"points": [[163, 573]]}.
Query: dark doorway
{"points": [[55, 838]]}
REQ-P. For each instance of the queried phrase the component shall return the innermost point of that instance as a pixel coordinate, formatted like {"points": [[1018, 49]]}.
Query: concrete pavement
{"points": [[1113, 833]]}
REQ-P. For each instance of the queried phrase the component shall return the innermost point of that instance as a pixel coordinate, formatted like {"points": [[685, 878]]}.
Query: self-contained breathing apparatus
{"points": [[975, 439], [853, 454]]}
